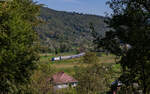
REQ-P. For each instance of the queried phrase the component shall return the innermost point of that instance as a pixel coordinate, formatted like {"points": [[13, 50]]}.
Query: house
{"points": [[62, 80]]}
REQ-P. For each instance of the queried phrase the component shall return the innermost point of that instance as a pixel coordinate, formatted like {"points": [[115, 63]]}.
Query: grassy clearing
{"points": [[68, 66], [107, 59]]}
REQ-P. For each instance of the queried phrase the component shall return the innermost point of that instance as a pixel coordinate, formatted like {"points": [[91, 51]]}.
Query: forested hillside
{"points": [[65, 31]]}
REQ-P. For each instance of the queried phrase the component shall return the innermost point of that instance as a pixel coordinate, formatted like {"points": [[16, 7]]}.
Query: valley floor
{"points": [[68, 66]]}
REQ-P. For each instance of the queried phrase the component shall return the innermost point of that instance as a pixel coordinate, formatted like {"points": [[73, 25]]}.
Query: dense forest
{"points": [[67, 31]]}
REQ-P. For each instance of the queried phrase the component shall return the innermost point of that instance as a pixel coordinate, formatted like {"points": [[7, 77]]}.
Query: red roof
{"points": [[61, 78]]}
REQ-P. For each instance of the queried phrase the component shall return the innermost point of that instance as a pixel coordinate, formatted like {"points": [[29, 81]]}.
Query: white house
{"points": [[62, 80]]}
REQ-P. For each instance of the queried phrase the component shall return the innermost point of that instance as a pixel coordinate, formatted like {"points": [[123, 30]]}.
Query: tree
{"points": [[18, 51], [93, 77], [40, 79], [129, 24]]}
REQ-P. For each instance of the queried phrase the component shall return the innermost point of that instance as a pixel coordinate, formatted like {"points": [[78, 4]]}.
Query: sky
{"points": [[96, 7]]}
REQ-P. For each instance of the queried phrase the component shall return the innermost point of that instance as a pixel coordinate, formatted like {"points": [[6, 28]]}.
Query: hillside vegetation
{"points": [[66, 31]]}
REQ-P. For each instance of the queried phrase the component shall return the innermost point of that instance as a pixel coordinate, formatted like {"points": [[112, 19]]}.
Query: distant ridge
{"points": [[67, 31]]}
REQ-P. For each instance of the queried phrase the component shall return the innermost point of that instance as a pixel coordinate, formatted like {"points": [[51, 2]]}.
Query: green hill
{"points": [[66, 31]]}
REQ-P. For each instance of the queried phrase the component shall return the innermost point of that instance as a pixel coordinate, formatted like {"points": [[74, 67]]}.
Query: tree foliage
{"points": [[18, 51], [129, 24], [94, 77], [40, 83]]}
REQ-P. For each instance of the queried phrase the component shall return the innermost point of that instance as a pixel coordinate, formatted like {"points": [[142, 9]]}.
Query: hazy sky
{"points": [[97, 7]]}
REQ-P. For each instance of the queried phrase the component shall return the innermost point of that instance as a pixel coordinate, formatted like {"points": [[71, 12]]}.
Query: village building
{"points": [[62, 80]]}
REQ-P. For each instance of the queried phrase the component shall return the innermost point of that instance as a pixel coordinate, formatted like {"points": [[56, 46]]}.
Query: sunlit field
{"points": [[70, 65]]}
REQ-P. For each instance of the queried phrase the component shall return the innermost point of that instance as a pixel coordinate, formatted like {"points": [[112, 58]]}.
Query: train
{"points": [[67, 57]]}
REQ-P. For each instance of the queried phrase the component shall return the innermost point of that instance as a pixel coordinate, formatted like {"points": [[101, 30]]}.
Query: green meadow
{"points": [[69, 66]]}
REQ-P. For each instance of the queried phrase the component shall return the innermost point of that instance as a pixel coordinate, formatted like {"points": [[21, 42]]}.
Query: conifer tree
{"points": [[18, 52]]}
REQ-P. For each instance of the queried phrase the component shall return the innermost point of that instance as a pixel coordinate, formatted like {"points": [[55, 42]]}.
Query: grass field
{"points": [[46, 68], [68, 66]]}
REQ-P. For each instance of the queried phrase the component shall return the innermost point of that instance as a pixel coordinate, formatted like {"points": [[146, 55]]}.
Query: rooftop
{"points": [[62, 78]]}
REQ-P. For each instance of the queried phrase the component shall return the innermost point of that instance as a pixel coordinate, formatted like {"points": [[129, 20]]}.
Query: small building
{"points": [[62, 80]]}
